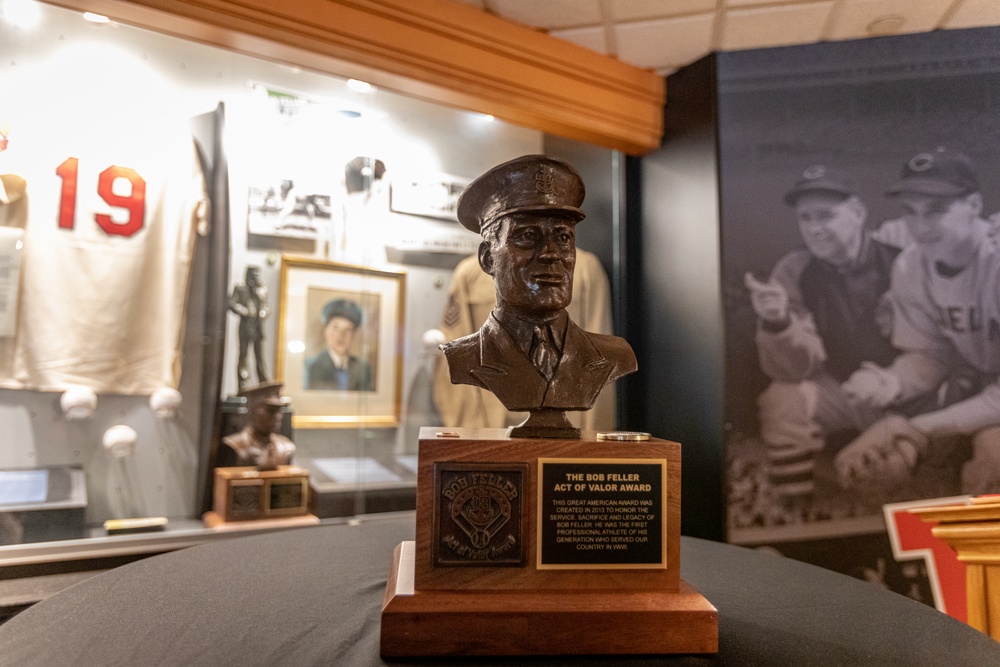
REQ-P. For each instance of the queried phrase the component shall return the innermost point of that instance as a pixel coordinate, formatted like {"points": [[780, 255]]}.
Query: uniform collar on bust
{"points": [[522, 331]]}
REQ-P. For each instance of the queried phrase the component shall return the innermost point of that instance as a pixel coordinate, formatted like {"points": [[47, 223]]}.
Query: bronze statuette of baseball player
{"points": [[249, 301]]}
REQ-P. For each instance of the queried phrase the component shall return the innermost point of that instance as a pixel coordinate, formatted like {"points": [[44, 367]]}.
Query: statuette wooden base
{"points": [[539, 547], [245, 493]]}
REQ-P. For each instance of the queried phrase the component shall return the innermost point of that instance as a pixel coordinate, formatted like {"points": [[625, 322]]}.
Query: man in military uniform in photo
{"points": [[258, 444], [335, 367], [249, 301], [529, 353]]}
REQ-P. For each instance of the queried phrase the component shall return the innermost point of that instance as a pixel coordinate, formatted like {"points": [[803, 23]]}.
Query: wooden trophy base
{"points": [[439, 622], [541, 547]]}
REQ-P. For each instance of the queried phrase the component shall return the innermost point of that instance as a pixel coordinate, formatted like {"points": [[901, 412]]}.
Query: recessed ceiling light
{"points": [[359, 86], [22, 13], [95, 18], [886, 25]]}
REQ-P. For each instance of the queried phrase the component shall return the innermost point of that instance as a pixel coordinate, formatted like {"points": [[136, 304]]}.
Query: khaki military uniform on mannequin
{"points": [[472, 298]]}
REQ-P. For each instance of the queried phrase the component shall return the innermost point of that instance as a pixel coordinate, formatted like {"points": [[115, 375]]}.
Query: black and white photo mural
{"points": [[860, 185]]}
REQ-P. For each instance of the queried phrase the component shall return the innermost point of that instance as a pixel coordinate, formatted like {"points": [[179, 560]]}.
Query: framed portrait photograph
{"points": [[340, 343]]}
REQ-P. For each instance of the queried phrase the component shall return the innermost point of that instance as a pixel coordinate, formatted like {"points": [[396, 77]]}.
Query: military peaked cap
{"points": [[266, 393], [525, 184], [342, 308]]}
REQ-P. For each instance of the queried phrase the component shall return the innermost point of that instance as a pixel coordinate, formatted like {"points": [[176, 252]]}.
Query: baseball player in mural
{"points": [[946, 296], [820, 316]]}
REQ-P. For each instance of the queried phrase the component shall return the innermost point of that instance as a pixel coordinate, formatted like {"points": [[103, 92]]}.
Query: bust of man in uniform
{"points": [[529, 353], [257, 444]]}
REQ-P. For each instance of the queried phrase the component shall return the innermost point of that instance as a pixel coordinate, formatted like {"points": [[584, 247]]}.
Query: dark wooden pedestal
{"points": [[529, 598], [436, 622]]}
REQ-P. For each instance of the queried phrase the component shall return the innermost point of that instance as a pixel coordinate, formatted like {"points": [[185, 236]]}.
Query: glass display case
{"points": [[179, 224]]}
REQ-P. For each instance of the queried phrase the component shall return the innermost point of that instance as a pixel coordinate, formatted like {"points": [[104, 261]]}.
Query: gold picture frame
{"points": [[371, 393]]}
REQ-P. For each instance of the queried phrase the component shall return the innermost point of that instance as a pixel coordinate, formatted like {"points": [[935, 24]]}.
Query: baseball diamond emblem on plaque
{"points": [[479, 514]]}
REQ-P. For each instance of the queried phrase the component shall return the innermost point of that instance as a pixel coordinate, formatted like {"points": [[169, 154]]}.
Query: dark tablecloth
{"points": [[312, 597]]}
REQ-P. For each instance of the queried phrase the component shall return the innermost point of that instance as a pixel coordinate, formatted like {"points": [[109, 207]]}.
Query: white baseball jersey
{"points": [[112, 220], [938, 316], [934, 312]]}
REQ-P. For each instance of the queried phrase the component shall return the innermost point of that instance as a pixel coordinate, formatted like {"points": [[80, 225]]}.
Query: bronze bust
{"points": [[257, 444], [529, 353]]}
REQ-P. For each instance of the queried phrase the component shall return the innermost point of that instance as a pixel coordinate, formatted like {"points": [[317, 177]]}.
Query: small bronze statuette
{"points": [[258, 445], [249, 301], [529, 353]]}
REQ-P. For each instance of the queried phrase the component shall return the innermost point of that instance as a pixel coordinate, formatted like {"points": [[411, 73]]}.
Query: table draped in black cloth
{"points": [[312, 596]]}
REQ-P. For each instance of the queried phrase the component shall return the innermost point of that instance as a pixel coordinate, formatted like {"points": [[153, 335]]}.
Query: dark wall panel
{"points": [[677, 300]]}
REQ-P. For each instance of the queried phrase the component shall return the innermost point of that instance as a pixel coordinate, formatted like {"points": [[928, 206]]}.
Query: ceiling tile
{"points": [[550, 13], [636, 10], [974, 13], [666, 42], [588, 38], [854, 16], [774, 26]]}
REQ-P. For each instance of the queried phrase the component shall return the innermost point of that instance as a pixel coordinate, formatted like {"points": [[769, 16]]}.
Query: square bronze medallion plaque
{"points": [[479, 514], [246, 499]]}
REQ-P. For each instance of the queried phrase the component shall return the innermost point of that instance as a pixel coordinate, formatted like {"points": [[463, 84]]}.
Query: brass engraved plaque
{"points": [[479, 514], [287, 496], [602, 513]]}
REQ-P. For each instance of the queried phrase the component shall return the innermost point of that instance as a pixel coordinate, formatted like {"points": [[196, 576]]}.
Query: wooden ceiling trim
{"points": [[438, 50]]}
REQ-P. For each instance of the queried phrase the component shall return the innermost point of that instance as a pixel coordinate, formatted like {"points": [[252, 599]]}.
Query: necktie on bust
{"points": [[543, 354]]}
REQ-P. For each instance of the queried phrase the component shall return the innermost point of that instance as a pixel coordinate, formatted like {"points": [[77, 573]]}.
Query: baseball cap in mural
{"points": [[941, 172], [820, 178]]}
